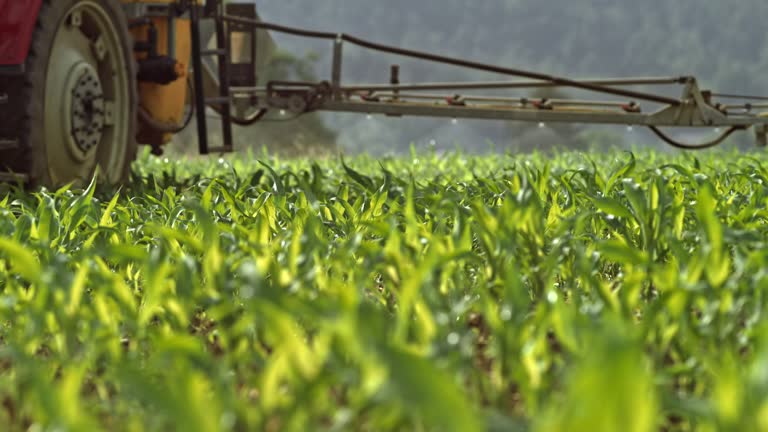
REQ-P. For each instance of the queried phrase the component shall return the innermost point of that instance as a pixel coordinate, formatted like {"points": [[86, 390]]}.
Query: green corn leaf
{"points": [[21, 260], [429, 394]]}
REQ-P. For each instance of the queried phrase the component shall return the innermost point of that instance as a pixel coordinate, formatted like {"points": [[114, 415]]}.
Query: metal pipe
{"points": [[487, 85], [197, 70], [394, 79], [338, 45], [456, 62], [481, 85], [734, 96], [171, 36], [746, 106], [222, 42], [424, 96]]}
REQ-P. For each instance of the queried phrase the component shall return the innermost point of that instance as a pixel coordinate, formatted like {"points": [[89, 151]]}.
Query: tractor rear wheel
{"points": [[81, 99]]}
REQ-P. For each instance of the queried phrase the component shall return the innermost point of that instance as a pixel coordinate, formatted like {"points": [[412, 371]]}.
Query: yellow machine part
{"points": [[164, 103]]}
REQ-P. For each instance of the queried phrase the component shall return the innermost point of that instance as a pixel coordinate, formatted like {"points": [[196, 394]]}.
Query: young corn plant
{"points": [[577, 292]]}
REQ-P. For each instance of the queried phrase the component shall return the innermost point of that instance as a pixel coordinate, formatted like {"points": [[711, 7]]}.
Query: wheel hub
{"points": [[87, 111]]}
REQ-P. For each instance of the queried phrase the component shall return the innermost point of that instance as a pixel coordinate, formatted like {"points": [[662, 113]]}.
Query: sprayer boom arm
{"points": [[694, 108]]}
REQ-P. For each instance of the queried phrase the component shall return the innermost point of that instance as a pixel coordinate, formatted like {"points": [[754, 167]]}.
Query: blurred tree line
{"points": [[723, 41]]}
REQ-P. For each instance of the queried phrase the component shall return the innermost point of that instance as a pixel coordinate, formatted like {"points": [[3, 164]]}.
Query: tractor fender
{"points": [[17, 23]]}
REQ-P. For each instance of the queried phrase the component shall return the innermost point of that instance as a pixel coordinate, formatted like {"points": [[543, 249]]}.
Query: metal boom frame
{"points": [[695, 107]]}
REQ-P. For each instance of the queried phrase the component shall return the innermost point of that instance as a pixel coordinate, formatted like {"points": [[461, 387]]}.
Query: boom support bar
{"points": [[455, 62], [490, 85]]}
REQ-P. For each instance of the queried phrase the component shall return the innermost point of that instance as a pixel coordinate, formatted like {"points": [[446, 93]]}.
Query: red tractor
{"points": [[67, 89], [83, 82]]}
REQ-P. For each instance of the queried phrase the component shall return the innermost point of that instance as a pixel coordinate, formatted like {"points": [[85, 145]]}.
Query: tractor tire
{"points": [[78, 96]]}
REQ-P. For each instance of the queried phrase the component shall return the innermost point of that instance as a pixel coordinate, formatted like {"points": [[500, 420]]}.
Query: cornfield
{"points": [[580, 292]]}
